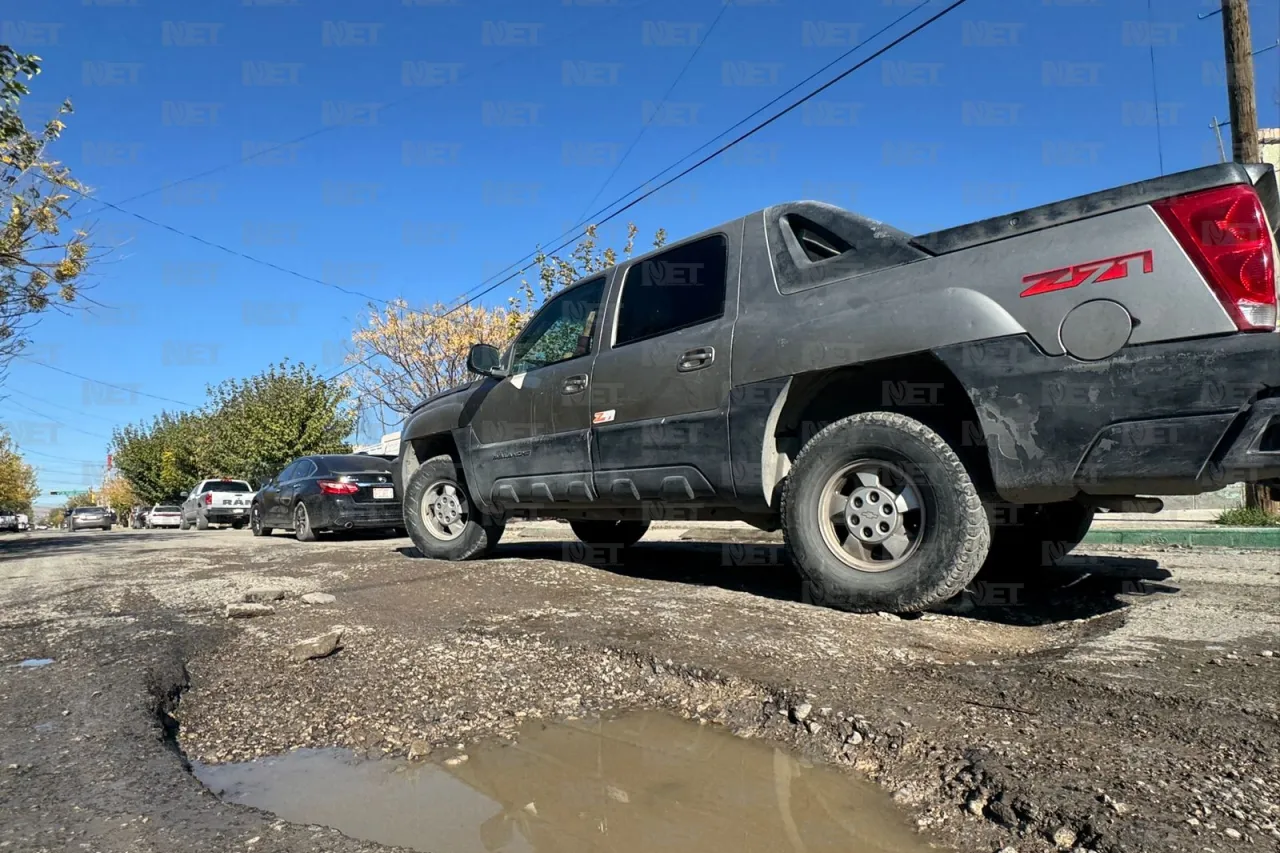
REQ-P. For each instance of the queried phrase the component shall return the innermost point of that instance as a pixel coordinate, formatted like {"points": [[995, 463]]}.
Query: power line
{"points": [[756, 129], [58, 422], [571, 36], [309, 135], [82, 414], [107, 384], [1155, 92], [575, 229], [644, 125]]}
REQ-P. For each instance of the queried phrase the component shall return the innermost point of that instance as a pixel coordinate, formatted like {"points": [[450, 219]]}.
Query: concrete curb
{"points": [[1210, 537]]}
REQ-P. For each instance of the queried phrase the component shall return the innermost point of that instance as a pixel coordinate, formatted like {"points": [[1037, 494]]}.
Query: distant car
{"points": [[217, 501], [8, 522], [138, 517], [88, 517], [328, 492], [164, 515]]}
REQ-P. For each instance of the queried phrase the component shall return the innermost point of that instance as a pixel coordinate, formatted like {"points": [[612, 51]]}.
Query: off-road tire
{"points": [[183, 524], [481, 532], [255, 514], [302, 530], [202, 521], [1042, 534], [622, 534], [956, 531]]}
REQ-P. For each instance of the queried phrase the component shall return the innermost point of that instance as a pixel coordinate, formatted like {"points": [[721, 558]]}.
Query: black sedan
{"points": [[328, 492]]}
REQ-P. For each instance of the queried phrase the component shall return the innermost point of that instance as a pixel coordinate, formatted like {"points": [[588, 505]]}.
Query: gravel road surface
{"points": [[1125, 701]]}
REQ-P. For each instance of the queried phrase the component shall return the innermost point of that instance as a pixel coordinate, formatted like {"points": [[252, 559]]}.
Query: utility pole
{"points": [[1237, 40]]}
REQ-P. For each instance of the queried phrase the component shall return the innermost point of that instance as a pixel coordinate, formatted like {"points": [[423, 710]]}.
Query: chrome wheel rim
{"points": [[300, 518], [872, 515], [255, 520], [444, 510]]}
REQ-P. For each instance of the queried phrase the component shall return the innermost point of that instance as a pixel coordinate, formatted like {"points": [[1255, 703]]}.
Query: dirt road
{"points": [[1127, 701]]}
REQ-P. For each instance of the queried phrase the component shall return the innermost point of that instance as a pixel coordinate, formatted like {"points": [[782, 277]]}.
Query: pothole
{"points": [[640, 781]]}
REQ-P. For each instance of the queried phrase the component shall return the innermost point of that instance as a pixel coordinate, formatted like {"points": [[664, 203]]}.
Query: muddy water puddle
{"points": [[638, 782]]}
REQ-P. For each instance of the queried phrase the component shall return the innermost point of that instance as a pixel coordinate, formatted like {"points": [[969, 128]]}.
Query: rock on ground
{"points": [[248, 611], [319, 646], [318, 598], [264, 594]]}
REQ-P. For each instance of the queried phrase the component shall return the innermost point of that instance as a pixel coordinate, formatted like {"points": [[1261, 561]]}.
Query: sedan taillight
{"points": [[332, 487]]}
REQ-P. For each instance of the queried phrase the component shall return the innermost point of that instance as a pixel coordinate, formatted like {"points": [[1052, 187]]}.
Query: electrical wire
{"points": [[1155, 92], [644, 126], [576, 234], [108, 384]]}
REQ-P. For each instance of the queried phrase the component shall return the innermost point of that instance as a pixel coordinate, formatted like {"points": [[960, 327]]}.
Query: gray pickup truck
{"points": [[907, 409]]}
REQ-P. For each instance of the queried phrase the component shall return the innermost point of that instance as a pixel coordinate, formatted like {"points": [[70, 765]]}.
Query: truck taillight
{"points": [[1224, 231], [208, 498], [331, 487]]}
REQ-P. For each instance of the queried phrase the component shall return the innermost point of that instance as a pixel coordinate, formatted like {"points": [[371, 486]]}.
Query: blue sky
{"points": [[447, 139]]}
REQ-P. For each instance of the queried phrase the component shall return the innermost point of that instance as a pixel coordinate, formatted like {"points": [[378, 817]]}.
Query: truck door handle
{"points": [[695, 359], [574, 384]]}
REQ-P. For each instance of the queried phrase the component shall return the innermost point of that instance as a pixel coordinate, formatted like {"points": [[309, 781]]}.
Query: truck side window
{"points": [[673, 290], [561, 330]]}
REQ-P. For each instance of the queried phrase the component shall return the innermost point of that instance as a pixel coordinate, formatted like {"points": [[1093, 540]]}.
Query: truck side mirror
{"points": [[485, 360]]}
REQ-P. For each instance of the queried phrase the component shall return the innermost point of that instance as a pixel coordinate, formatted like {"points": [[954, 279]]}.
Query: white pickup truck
{"points": [[217, 501]]}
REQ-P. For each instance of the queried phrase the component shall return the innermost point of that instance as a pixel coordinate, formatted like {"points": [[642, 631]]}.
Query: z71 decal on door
{"points": [[603, 417]]}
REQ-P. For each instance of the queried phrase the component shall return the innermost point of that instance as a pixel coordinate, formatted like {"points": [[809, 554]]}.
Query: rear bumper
{"points": [[1165, 419], [226, 515], [337, 512]]}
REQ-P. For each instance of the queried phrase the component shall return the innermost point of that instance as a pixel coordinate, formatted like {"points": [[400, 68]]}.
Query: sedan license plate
{"points": [[383, 493]]}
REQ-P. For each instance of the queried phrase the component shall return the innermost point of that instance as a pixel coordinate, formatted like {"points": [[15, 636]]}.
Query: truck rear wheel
{"points": [[441, 518], [202, 521], [879, 513], [623, 534]]}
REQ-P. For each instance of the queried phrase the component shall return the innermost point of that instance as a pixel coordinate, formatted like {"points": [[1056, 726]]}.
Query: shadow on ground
{"points": [[1081, 586], [102, 541]]}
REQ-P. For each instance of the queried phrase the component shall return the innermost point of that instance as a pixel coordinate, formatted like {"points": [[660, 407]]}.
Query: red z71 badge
{"points": [[1074, 276]]}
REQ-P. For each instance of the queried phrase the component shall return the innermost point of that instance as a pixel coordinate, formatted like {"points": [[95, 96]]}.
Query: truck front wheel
{"points": [[879, 513], [441, 518]]}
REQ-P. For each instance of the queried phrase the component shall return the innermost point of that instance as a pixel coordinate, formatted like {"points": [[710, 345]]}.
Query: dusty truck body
{"points": [[906, 408]]}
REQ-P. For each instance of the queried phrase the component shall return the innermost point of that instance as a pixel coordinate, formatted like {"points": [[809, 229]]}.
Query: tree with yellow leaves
{"points": [[404, 355], [39, 266], [18, 487], [118, 495]]}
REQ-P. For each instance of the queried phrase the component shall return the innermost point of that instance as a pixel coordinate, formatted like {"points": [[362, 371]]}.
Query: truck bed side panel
{"points": [[968, 296]]}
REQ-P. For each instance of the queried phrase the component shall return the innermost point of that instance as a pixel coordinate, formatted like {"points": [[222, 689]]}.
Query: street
{"points": [[1127, 700]]}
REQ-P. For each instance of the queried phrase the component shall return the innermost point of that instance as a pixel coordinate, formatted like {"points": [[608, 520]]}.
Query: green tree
{"points": [[165, 458], [40, 267], [18, 486], [258, 425]]}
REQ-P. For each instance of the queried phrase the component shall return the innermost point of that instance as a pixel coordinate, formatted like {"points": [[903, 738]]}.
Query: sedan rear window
{"points": [[167, 509], [87, 510], [355, 464]]}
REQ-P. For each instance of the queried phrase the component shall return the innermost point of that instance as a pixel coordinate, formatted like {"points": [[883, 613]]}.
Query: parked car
{"points": [[164, 515], [217, 501], [328, 492], [24, 523], [905, 408], [138, 517], [8, 522], [89, 517]]}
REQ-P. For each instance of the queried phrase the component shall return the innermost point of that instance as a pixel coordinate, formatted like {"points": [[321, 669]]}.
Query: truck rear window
{"points": [[228, 486]]}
